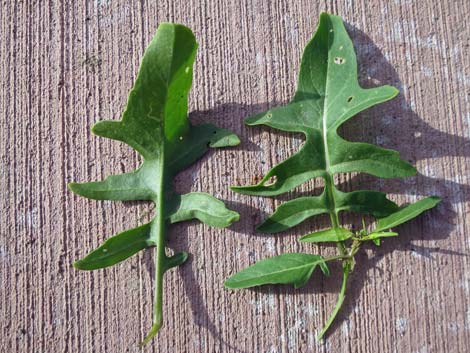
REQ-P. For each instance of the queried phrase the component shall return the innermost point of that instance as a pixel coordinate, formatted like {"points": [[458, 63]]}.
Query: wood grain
{"points": [[66, 64]]}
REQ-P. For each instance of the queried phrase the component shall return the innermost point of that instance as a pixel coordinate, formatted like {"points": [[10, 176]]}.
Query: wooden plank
{"points": [[67, 64]]}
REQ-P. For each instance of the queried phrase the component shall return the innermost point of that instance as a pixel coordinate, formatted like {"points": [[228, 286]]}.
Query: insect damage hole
{"points": [[350, 98], [271, 181], [339, 60]]}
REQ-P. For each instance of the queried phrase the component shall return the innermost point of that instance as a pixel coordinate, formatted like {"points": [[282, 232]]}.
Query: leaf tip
{"points": [[77, 188], [325, 269], [96, 128], [153, 331], [234, 218], [437, 199], [184, 256], [393, 91], [228, 284], [80, 265], [250, 120], [325, 15], [413, 170], [224, 138], [261, 227], [74, 187]]}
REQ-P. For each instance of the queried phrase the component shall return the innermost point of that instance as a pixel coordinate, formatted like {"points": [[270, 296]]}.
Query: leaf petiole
{"points": [[339, 302], [158, 234]]}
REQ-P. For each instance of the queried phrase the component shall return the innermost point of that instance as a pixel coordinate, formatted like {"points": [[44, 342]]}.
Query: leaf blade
{"points": [[407, 213], [327, 235], [155, 123], [293, 268], [204, 207], [328, 94], [117, 248], [378, 235], [365, 202], [292, 213], [134, 186]]}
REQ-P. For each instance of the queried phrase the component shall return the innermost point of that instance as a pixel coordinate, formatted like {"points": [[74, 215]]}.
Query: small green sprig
{"points": [[328, 94]]}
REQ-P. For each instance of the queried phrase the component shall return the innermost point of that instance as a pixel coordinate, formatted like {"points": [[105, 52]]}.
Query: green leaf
{"points": [[155, 123], [328, 94], [291, 213], [364, 202], [204, 207], [376, 241], [117, 248], [175, 260], [327, 235], [291, 268], [407, 213], [378, 235]]}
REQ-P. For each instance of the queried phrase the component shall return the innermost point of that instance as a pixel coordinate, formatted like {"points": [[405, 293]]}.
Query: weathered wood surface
{"points": [[65, 65]]}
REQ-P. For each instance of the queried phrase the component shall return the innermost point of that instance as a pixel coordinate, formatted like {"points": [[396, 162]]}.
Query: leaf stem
{"points": [[347, 259], [158, 234], [339, 302], [329, 187]]}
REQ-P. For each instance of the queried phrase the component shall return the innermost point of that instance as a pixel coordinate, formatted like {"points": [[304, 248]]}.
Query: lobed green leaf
{"points": [[328, 94], [155, 123]]}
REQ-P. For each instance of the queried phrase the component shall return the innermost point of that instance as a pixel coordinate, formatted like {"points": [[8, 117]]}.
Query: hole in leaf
{"points": [[271, 181], [214, 132], [339, 60], [350, 99]]}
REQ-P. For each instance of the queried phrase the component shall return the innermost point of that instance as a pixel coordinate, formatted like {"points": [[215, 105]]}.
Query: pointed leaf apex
{"points": [[76, 188], [395, 90], [78, 265], [224, 138]]}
